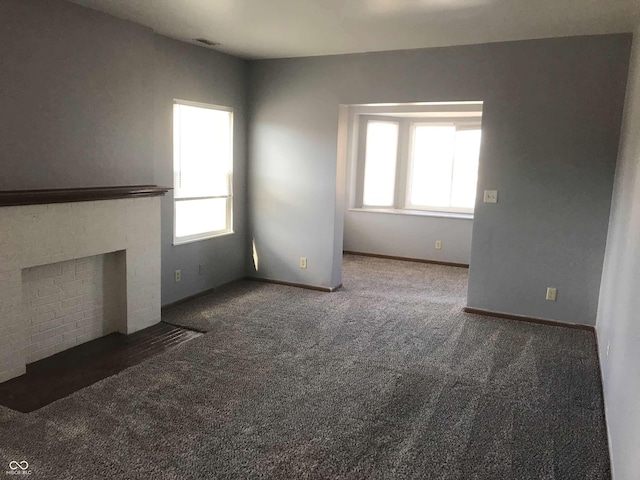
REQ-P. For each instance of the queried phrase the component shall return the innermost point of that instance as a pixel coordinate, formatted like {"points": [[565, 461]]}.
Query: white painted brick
{"points": [[46, 309], [68, 311], [44, 337], [41, 353], [49, 324], [65, 277], [86, 274], [51, 273], [83, 289], [68, 268], [70, 335], [71, 326], [94, 298], [71, 286], [93, 312], [50, 340], [45, 301], [29, 275], [43, 318], [46, 291], [70, 302]]}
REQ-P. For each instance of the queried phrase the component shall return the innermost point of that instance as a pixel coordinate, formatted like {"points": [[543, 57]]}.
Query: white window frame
{"points": [[228, 230], [362, 156], [463, 115], [458, 125]]}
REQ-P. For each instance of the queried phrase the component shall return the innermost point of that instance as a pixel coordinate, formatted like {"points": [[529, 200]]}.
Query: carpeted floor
{"points": [[385, 379]]}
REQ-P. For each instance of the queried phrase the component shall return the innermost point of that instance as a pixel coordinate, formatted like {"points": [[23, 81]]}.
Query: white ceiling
{"points": [[294, 28]]}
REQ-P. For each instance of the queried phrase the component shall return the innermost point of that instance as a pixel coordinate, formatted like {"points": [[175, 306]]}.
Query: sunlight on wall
{"points": [[255, 254]]}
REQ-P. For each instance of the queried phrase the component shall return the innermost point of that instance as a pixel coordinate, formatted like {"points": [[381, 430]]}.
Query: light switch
{"points": [[490, 196]]}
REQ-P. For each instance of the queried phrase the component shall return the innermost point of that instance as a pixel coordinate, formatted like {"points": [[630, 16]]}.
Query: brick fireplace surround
{"points": [[75, 264]]}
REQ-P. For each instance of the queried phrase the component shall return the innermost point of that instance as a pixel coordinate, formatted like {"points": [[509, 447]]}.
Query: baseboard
{"points": [[407, 259], [200, 294], [522, 318], [291, 284], [253, 279]]}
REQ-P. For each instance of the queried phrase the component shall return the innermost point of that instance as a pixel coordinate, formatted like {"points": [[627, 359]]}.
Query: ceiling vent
{"points": [[206, 42]]}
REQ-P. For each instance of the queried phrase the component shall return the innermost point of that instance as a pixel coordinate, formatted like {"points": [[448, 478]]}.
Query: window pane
{"points": [[202, 151], [432, 165], [465, 169], [194, 217], [380, 164]]}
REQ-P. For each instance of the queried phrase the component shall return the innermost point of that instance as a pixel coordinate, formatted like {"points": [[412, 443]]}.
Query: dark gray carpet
{"points": [[387, 378]]}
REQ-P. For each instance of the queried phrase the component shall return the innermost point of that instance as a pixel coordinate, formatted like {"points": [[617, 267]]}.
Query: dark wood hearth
{"points": [[67, 372]]}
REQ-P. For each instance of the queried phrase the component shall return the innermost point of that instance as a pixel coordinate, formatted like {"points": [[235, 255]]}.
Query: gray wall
{"points": [[549, 147], [76, 106], [618, 323], [550, 132], [86, 100], [188, 72], [411, 236]]}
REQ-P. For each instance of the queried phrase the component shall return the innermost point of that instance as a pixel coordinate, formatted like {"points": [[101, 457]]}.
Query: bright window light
{"points": [[380, 164], [417, 158], [203, 171], [194, 217], [431, 164], [443, 168], [465, 168]]}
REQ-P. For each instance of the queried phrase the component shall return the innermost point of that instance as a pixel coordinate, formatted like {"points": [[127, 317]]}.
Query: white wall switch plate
{"points": [[552, 293], [303, 262], [490, 196]]}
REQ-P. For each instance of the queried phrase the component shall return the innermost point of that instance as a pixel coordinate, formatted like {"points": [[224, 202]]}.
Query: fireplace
{"points": [[72, 302], [75, 264]]}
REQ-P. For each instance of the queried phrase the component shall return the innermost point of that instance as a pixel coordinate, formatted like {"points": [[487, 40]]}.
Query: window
{"points": [[202, 171], [443, 167], [380, 163], [419, 160]]}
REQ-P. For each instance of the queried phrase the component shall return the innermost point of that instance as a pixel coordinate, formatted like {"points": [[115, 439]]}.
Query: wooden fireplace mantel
{"points": [[11, 198]]}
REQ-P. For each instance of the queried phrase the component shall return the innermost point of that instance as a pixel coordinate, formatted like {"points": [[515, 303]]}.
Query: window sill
{"points": [[208, 237], [416, 213]]}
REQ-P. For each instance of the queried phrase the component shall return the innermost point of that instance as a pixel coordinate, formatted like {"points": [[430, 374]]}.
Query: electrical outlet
{"points": [[303, 262], [438, 244], [178, 275], [608, 348], [552, 293], [201, 270], [490, 196]]}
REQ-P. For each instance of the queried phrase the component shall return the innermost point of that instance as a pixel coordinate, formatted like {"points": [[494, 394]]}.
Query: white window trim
{"points": [[465, 124], [362, 157], [460, 114], [228, 230], [415, 213]]}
